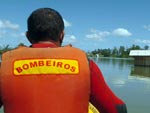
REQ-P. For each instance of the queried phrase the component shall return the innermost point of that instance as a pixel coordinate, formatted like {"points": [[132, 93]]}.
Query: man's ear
{"points": [[29, 37], [61, 37]]}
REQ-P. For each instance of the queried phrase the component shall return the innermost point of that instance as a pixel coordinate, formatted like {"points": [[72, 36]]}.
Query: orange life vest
{"points": [[45, 80]]}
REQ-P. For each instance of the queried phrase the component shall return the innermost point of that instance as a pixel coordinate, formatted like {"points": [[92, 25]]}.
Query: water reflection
{"points": [[139, 71], [115, 70], [122, 64], [114, 61]]}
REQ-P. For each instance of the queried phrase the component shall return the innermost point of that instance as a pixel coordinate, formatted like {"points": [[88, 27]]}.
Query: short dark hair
{"points": [[45, 24]]}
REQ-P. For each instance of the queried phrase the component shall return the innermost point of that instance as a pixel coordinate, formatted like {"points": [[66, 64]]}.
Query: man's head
{"points": [[45, 24]]}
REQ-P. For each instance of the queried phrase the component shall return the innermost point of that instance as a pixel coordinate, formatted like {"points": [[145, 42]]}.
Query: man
{"points": [[48, 78]]}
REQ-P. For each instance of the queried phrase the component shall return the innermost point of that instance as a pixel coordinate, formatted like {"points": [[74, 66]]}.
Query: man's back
{"points": [[43, 80]]}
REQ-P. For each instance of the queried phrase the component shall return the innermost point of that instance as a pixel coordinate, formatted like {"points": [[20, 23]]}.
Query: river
{"points": [[131, 83]]}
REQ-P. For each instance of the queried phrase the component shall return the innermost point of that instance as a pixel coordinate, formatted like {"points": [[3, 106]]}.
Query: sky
{"points": [[89, 24]]}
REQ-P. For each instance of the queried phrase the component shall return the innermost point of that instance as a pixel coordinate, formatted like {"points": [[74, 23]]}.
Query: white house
{"points": [[141, 57]]}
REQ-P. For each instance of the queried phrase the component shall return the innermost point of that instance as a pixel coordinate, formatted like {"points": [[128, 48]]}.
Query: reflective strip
{"points": [[46, 66]]}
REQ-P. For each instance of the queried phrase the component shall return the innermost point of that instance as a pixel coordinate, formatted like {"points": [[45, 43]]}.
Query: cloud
{"points": [[22, 34], [6, 24], [143, 41], [147, 27], [121, 32], [69, 39], [97, 35], [100, 35], [2, 32], [67, 24], [8, 29]]}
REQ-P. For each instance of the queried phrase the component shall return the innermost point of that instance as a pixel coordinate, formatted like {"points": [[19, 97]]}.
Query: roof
{"points": [[139, 53]]}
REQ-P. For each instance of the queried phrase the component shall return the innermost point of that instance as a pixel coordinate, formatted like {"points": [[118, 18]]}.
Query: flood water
{"points": [[129, 82]]}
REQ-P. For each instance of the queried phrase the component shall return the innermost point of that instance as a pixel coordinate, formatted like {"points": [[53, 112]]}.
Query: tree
{"points": [[146, 47], [106, 52], [121, 51], [115, 52], [5, 48], [21, 44], [135, 47]]}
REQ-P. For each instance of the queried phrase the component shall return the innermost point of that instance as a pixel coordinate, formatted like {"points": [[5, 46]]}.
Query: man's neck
{"points": [[44, 44], [50, 42]]}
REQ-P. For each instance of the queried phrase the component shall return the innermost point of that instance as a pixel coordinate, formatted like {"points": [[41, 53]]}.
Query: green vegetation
{"points": [[7, 48], [4, 49], [120, 52]]}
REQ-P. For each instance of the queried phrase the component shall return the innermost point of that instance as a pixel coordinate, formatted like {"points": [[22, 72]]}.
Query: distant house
{"points": [[141, 57]]}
